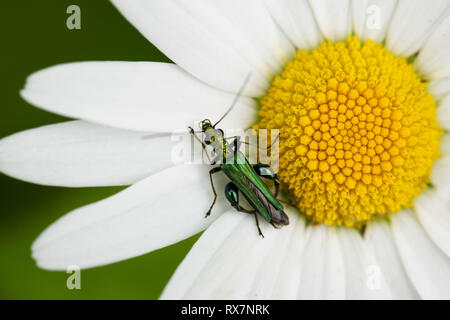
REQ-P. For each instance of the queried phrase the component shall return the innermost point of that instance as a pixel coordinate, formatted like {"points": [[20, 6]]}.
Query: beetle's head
{"points": [[205, 125], [210, 133]]}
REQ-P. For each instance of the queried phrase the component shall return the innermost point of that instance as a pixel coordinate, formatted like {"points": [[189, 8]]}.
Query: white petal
{"points": [[412, 23], [433, 212], [231, 261], [439, 88], [433, 60], [371, 18], [364, 276], [323, 268], [427, 266], [219, 42], [81, 154], [144, 96], [445, 145], [156, 212], [440, 175], [289, 277], [443, 113], [379, 236], [296, 19], [333, 18], [279, 272]]}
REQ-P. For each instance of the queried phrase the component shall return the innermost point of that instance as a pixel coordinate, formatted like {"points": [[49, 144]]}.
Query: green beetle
{"points": [[245, 178]]}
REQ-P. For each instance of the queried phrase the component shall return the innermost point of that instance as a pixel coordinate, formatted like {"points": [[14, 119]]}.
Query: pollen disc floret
{"points": [[358, 131]]}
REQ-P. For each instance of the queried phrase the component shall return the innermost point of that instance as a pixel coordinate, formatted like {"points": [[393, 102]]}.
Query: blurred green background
{"points": [[34, 36]]}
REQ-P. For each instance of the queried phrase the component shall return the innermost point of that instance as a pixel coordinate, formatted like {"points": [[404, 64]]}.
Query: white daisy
{"points": [[400, 174]]}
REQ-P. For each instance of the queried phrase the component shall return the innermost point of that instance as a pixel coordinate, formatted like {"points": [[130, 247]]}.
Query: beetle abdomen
{"points": [[277, 217]]}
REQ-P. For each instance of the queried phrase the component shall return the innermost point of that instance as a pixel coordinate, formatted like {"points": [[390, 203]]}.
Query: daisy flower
{"points": [[360, 91]]}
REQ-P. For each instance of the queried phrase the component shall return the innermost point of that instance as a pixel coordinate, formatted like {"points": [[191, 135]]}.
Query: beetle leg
{"points": [[232, 194], [257, 224], [250, 144], [236, 144], [211, 172], [236, 141], [192, 132], [265, 171]]}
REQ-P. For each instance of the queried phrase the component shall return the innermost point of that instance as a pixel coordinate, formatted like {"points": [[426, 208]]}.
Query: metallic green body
{"points": [[241, 173]]}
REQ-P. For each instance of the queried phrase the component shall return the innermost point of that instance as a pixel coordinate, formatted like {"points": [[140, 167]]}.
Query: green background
{"points": [[34, 36]]}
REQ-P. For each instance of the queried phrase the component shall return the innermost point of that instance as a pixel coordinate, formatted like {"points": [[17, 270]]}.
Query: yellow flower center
{"points": [[358, 131]]}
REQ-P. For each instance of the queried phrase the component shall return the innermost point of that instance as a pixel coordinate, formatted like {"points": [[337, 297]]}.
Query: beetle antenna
{"points": [[267, 148], [273, 143], [236, 98]]}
